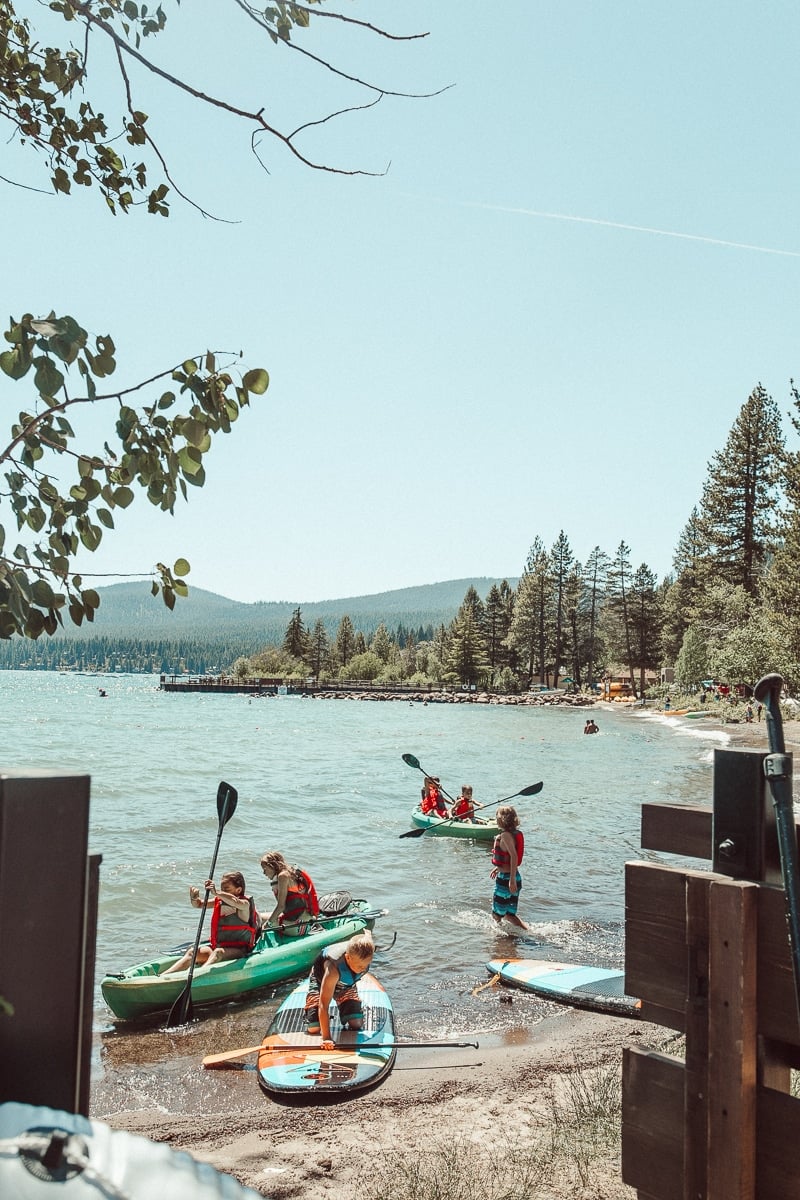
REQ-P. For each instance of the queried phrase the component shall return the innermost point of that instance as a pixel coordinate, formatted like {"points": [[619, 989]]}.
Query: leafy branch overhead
{"points": [[45, 93], [62, 499]]}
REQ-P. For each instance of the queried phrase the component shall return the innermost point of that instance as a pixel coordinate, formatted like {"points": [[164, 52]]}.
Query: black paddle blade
{"points": [[532, 789], [227, 799], [413, 833], [181, 1012], [411, 761]]}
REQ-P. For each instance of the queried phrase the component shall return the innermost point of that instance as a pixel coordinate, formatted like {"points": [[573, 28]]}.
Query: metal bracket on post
{"points": [[744, 840]]}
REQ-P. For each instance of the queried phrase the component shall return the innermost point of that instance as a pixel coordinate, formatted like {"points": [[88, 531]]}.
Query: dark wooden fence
{"points": [[708, 954]]}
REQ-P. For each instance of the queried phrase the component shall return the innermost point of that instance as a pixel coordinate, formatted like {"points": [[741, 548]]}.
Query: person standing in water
{"points": [[507, 852]]}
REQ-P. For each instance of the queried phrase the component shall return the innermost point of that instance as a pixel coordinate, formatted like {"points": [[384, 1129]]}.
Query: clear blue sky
{"points": [[545, 316]]}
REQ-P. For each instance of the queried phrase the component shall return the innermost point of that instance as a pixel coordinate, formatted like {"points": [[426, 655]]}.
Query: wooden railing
{"points": [[708, 955]]}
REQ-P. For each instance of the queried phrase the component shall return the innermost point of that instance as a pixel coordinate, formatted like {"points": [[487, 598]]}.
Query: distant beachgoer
{"points": [[748, 712], [295, 896], [759, 709], [334, 976], [234, 923], [509, 847], [667, 704], [591, 726]]}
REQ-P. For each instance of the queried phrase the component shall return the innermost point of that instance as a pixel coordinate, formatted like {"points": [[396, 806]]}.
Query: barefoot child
{"points": [[509, 846], [234, 923], [334, 976]]}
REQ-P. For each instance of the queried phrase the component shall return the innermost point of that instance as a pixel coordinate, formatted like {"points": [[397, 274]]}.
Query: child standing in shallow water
{"points": [[509, 847]]}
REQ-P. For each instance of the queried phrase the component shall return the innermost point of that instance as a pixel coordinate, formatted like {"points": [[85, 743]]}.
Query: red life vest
{"points": [[433, 801], [301, 897], [230, 930], [463, 808], [501, 858]]}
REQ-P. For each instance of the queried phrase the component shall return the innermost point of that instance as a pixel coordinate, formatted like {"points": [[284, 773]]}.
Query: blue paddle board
{"points": [[360, 1060], [601, 989]]}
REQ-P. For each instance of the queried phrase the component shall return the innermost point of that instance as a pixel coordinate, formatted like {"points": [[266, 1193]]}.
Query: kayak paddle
{"points": [[778, 770], [531, 790], [212, 1061], [181, 1010], [411, 761]]}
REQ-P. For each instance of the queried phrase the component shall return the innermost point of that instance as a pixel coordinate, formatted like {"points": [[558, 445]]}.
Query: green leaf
{"points": [[181, 567], [105, 518], [189, 460], [122, 497], [14, 364], [256, 381], [48, 379], [42, 593]]}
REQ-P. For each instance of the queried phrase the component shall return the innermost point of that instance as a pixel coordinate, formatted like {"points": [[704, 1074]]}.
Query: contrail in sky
{"points": [[689, 237]]}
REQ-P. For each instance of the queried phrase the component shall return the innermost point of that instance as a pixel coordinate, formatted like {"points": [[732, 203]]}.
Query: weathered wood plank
{"points": [[652, 1123], [732, 1047], [677, 829], [695, 1165], [777, 1168]]}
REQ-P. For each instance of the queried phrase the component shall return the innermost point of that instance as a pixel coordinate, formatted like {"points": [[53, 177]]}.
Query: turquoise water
{"points": [[324, 782]]}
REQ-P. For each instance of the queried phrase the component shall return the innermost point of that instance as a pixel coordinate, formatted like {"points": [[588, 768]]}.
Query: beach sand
{"points": [[480, 1100], [496, 1096]]}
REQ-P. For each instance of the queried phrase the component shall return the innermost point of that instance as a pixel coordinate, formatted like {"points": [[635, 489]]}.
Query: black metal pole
{"points": [[778, 770]]}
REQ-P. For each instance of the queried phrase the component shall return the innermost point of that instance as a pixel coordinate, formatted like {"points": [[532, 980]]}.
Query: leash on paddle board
{"points": [[532, 789], [212, 1062], [778, 770], [493, 982]]}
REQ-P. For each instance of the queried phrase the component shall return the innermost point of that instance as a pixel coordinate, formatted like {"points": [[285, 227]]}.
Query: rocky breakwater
{"points": [[531, 699]]}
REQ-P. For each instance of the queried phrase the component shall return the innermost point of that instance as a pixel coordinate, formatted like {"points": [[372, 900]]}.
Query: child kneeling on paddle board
{"points": [[334, 976], [234, 923], [509, 846]]}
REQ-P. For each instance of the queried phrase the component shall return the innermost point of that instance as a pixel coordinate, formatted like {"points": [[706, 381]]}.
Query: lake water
{"points": [[324, 783]]}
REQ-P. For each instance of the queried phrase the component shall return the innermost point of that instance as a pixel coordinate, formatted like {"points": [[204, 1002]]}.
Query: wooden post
{"points": [[732, 1049], [48, 896]]}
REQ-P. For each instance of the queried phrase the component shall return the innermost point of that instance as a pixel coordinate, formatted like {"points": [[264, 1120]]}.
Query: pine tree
{"points": [[595, 577], [499, 611], [466, 649], [684, 595], [561, 565], [295, 640], [616, 614], [318, 649], [645, 622], [738, 516], [528, 633], [345, 640]]}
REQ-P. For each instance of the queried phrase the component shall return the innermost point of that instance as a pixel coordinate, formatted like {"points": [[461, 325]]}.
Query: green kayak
{"points": [[436, 827], [141, 990]]}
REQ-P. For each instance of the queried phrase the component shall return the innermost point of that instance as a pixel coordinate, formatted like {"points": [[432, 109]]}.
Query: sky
{"points": [[542, 313]]}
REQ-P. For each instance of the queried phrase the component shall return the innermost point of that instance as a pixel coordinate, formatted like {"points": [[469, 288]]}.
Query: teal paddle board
{"points": [[361, 1059], [601, 989]]}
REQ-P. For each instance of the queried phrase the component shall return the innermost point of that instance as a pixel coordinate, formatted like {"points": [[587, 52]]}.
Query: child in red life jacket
{"points": [[507, 852], [463, 808], [432, 799], [296, 901], [234, 923]]}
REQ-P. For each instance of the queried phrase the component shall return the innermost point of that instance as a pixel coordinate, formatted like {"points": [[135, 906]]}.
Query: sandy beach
{"points": [[443, 1120]]}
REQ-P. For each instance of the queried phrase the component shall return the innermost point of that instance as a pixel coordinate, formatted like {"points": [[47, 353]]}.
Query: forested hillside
{"points": [[133, 631]]}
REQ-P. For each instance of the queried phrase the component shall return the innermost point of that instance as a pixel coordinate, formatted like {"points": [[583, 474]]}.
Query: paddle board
{"points": [[601, 989], [359, 1061]]}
